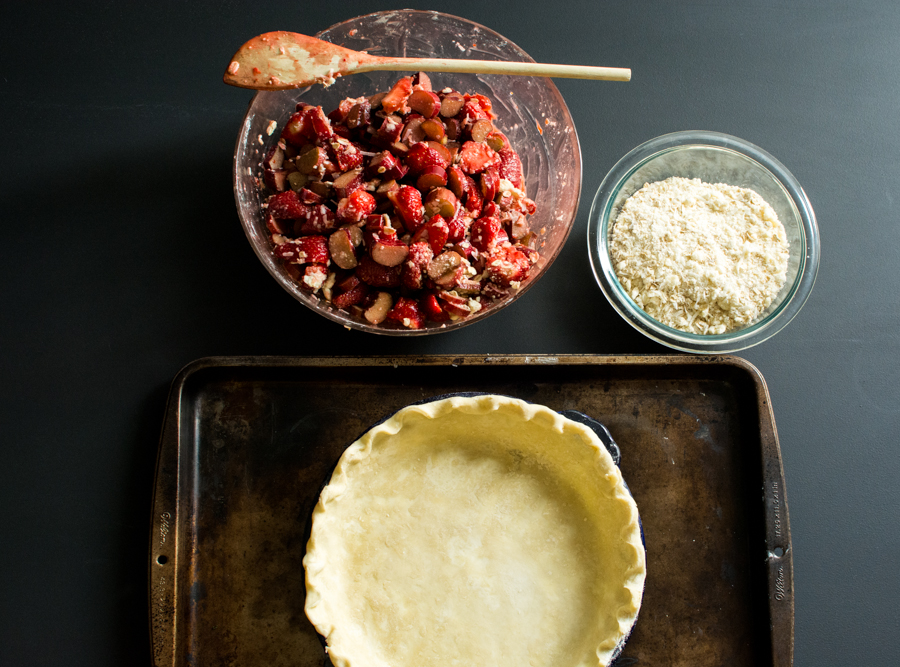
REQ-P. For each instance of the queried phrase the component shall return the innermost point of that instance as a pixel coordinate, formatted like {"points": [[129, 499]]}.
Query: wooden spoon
{"points": [[282, 60]]}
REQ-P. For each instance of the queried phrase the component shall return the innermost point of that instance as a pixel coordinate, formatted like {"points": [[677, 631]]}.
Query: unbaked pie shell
{"points": [[475, 531]]}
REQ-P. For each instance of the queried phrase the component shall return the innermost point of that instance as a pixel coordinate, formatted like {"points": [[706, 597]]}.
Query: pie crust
{"points": [[475, 531]]}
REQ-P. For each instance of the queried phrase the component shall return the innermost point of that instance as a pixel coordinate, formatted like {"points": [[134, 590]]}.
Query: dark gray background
{"points": [[121, 260]]}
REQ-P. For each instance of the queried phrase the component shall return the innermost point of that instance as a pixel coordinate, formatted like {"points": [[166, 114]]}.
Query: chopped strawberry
{"points": [[356, 206], [432, 309], [406, 312], [314, 276], [396, 98], [507, 266], [412, 276], [389, 132], [372, 273], [487, 234], [421, 156], [352, 296], [305, 250], [458, 225], [474, 198], [511, 167], [385, 166], [408, 202], [420, 254], [438, 231], [319, 220], [286, 206], [347, 155], [475, 157]]}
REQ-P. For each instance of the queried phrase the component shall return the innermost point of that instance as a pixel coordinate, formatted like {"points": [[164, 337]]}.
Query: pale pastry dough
{"points": [[475, 531]]}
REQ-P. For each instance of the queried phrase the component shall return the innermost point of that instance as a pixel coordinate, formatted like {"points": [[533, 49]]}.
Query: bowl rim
{"points": [[344, 319], [604, 274]]}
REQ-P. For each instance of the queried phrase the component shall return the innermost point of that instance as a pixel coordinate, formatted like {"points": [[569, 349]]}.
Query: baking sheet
{"points": [[248, 442]]}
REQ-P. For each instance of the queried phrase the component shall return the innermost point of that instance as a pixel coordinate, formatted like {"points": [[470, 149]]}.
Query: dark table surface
{"points": [[122, 260]]}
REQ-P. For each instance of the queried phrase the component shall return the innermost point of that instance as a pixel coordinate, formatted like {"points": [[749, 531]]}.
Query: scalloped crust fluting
{"points": [[481, 530]]}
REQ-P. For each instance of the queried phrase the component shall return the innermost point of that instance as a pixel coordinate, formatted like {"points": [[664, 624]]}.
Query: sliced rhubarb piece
{"points": [[359, 114], [348, 182], [274, 158], [421, 81], [298, 129], [378, 311], [498, 141], [406, 312], [456, 181], [412, 130], [441, 201], [443, 268], [490, 183], [434, 129], [451, 104], [307, 196], [342, 249], [389, 251], [276, 179], [475, 157], [276, 226], [424, 102], [433, 177], [454, 304], [481, 129]]}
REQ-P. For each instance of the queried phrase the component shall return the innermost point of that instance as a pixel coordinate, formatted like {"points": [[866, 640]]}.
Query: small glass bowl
{"points": [[530, 111], [713, 158]]}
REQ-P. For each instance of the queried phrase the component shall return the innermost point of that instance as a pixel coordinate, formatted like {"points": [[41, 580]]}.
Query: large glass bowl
{"points": [[530, 110], [713, 158]]}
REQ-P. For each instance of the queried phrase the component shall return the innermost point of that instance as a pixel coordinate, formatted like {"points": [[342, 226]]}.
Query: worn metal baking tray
{"points": [[248, 442]]}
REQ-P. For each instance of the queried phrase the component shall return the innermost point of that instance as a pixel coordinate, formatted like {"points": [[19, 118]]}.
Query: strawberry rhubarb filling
{"points": [[401, 208]]}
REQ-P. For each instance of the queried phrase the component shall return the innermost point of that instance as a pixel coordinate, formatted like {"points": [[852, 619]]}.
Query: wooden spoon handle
{"points": [[495, 67]]}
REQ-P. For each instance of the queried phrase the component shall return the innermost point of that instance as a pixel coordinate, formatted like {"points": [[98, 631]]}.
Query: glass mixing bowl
{"points": [[530, 111], [713, 158]]}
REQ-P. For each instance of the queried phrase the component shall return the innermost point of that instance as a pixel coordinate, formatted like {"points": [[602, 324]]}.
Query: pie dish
{"points": [[475, 530]]}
